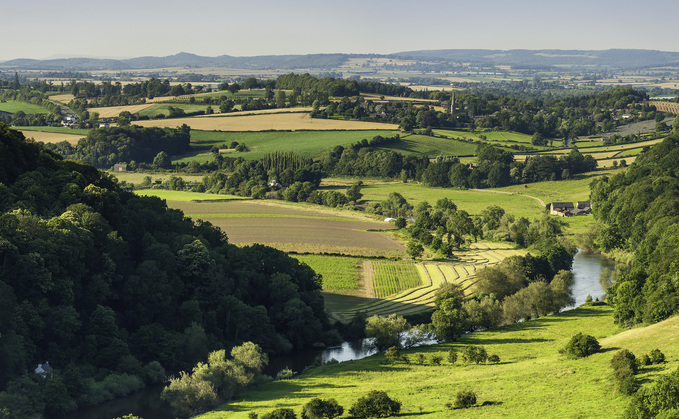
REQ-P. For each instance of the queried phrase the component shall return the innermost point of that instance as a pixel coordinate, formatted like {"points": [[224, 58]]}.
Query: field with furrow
{"points": [[397, 300]]}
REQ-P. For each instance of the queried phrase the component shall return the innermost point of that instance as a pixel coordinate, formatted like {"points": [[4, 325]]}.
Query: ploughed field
{"points": [[295, 228]]}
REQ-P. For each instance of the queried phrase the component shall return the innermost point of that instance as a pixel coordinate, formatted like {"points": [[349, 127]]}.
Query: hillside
{"points": [[532, 379]]}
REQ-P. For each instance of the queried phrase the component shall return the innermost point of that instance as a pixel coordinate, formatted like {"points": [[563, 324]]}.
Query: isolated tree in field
{"points": [[376, 404], [449, 319], [386, 330], [581, 345], [465, 399], [124, 118], [322, 409], [414, 248], [354, 193]]}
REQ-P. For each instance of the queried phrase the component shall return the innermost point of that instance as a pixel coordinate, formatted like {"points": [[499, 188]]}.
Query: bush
{"points": [[494, 359], [656, 356], [643, 360], [659, 400], [452, 356], [282, 413], [581, 345], [375, 404], [285, 374], [392, 354], [322, 409], [436, 359], [625, 382], [473, 353], [624, 359], [465, 399]]}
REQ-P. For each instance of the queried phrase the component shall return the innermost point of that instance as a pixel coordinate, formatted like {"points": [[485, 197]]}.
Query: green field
{"points": [[423, 145], [184, 196], [162, 108], [304, 143], [471, 201], [340, 274], [14, 106], [390, 278], [532, 380], [60, 130]]}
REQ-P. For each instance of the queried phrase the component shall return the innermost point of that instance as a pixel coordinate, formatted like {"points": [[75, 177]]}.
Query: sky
{"points": [[124, 28]]}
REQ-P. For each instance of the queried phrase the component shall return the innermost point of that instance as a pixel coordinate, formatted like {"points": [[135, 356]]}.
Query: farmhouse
{"points": [[567, 209], [44, 369], [121, 167]]}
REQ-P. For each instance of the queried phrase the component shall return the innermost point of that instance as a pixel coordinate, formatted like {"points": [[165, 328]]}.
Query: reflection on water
{"points": [[587, 268], [147, 404]]}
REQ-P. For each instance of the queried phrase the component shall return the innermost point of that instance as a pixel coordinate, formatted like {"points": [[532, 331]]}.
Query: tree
{"points": [[581, 345], [162, 160], [538, 140], [449, 319], [322, 409], [124, 118], [354, 193], [414, 248], [465, 399], [475, 354], [281, 413], [400, 222], [376, 404], [386, 330]]}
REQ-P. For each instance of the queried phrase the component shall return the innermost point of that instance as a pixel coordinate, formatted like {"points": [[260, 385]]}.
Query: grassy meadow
{"points": [[340, 273], [13, 106], [531, 380]]}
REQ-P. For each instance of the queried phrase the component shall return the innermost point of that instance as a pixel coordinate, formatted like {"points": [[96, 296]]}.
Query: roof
{"points": [[562, 205]]}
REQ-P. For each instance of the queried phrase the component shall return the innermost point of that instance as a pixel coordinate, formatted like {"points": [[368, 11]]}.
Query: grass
{"points": [[393, 277], [414, 144], [14, 106], [304, 143], [163, 108], [183, 196], [471, 201], [138, 177], [62, 130], [340, 274], [532, 379]]}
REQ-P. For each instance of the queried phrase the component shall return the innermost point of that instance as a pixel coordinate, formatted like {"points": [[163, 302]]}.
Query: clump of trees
{"points": [[661, 399], [581, 345], [322, 409], [624, 365], [375, 404]]}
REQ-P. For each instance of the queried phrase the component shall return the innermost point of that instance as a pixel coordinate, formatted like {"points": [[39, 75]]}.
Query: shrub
{"points": [[392, 354], [624, 359], [285, 374], [322, 409], [420, 359], [252, 415], [282, 413], [656, 356], [625, 382], [581, 345], [473, 353], [644, 360], [659, 400], [375, 404], [465, 399], [494, 359], [436, 359], [452, 356]]}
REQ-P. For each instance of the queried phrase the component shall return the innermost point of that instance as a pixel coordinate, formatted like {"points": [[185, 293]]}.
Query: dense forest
{"points": [[117, 290], [639, 209]]}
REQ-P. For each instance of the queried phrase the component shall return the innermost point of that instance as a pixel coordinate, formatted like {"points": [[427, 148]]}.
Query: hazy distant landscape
{"points": [[483, 224]]}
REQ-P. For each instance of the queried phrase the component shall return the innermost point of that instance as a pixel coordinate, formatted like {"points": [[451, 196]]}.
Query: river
{"points": [[587, 268]]}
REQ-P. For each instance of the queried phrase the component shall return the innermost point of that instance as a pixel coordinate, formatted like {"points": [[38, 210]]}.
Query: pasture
{"points": [[13, 106], [52, 137], [340, 273], [62, 98], [55, 129], [531, 380], [472, 201], [278, 122], [138, 177], [423, 145], [304, 143]]}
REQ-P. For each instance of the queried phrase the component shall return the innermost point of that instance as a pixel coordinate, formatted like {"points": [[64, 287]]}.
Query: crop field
{"points": [[114, 111], [279, 122], [432, 275], [532, 380], [56, 129], [393, 277], [62, 98], [601, 151], [14, 106], [340, 274], [414, 144], [138, 177], [472, 201], [304, 143], [182, 196], [163, 109], [52, 137], [299, 228]]}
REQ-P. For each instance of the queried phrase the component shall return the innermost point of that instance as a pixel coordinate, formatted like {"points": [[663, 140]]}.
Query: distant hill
{"points": [[612, 59]]}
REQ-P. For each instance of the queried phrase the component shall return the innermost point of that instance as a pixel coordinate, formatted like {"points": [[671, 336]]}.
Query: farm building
{"points": [[567, 209], [120, 167]]}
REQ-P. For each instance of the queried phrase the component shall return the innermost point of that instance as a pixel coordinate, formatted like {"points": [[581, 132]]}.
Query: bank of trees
{"points": [[104, 147], [637, 209], [101, 282]]}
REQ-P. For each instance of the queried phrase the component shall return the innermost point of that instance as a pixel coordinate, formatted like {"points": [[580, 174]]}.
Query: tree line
{"points": [[117, 290]]}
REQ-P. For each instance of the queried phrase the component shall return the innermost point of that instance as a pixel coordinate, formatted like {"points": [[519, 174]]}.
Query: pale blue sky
{"points": [[126, 28]]}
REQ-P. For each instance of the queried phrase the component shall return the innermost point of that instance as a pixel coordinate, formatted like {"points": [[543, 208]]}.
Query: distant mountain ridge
{"points": [[612, 58]]}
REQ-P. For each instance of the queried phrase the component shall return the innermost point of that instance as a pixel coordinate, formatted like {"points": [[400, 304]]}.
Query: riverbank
{"points": [[531, 380]]}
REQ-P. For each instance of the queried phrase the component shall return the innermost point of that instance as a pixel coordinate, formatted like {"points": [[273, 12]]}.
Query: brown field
{"points": [[279, 122], [609, 162], [52, 137], [62, 98], [114, 111], [294, 228], [306, 109], [138, 177]]}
